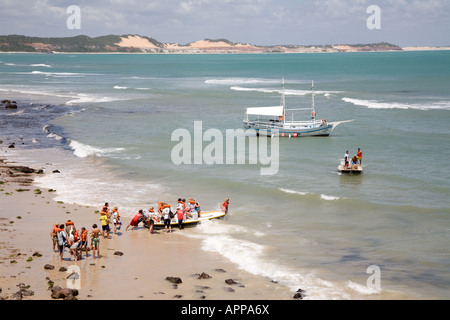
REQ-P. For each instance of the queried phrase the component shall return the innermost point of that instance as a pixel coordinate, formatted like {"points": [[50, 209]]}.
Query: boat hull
{"points": [[191, 222], [355, 169], [291, 131]]}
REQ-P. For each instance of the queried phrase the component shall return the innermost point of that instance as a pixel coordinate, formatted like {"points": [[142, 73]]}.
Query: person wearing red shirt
{"points": [[225, 204], [359, 156]]}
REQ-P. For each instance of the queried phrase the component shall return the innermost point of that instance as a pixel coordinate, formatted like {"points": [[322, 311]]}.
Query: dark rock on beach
{"points": [[203, 275], [64, 293], [300, 294], [49, 267], [118, 253], [230, 281], [176, 280], [9, 104]]}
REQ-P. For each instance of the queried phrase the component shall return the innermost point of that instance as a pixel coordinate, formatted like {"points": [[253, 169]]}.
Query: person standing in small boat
{"points": [[197, 208], [359, 156], [354, 162], [346, 159]]}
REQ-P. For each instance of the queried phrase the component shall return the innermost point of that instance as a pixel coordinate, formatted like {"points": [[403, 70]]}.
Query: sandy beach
{"points": [[139, 273]]}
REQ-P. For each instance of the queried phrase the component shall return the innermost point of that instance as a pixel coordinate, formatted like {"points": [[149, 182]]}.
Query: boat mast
{"points": [[313, 112], [283, 100]]}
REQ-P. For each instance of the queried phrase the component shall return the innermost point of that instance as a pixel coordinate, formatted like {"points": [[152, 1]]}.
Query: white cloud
{"points": [[254, 21]]}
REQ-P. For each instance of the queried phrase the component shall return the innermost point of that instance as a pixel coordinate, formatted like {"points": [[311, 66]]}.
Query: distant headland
{"points": [[141, 44]]}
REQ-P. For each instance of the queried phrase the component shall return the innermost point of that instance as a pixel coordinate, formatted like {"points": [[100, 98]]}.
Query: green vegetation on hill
{"points": [[109, 43]]}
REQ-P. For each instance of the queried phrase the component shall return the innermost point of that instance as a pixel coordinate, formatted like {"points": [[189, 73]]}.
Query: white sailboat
{"points": [[272, 120]]}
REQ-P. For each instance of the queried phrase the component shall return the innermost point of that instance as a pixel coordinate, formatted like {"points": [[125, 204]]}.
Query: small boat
{"points": [[350, 169], [193, 220], [272, 121]]}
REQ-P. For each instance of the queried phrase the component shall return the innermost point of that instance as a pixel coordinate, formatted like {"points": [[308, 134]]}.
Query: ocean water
{"points": [[106, 123]]}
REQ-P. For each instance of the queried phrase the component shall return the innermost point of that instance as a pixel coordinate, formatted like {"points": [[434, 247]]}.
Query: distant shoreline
{"points": [[136, 44], [425, 48], [405, 49]]}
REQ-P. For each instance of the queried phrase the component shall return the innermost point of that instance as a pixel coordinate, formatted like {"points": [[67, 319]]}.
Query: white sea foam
{"points": [[16, 113], [84, 98], [120, 88], [293, 191], [328, 198], [236, 81], [83, 150], [287, 92], [55, 136], [362, 289], [250, 256], [76, 184], [40, 65], [375, 104], [59, 74]]}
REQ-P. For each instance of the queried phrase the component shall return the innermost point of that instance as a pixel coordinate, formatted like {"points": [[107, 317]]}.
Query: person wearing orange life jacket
{"points": [[106, 208], [153, 217], [83, 242], [75, 243], [54, 237], [161, 206], [69, 225]]}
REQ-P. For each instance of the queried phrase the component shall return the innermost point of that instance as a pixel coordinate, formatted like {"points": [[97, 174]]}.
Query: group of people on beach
{"points": [[355, 159], [66, 235]]}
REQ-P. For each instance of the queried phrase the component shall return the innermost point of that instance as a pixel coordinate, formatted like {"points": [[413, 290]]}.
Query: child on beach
{"points": [[95, 240], [115, 219]]}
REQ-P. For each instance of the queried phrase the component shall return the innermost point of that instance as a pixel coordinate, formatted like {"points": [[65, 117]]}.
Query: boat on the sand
{"points": [[192, 220]]}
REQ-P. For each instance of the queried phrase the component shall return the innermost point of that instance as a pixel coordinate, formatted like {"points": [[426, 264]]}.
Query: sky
{"points": [[259, 22]]}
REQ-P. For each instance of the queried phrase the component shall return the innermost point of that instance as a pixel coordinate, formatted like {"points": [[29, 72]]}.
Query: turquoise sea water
{"points": [[106, 121]]}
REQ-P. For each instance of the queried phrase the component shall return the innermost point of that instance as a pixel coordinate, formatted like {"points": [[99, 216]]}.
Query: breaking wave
{"points": [[375, 104]]}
